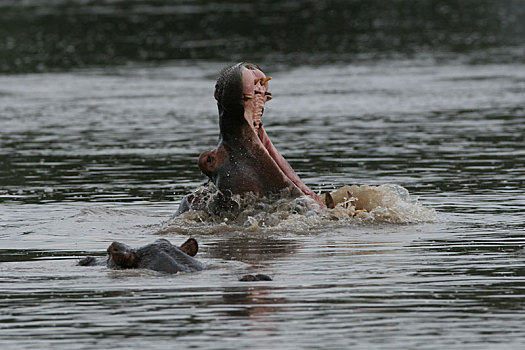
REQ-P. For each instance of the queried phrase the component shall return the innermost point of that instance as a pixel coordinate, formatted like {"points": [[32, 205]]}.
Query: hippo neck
{"points": [[247, 156]]}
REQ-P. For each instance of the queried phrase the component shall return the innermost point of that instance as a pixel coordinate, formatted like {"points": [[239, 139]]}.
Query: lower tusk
{"points": [[247, 97]]}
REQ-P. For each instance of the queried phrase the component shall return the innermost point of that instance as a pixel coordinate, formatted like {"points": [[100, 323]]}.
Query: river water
{"points": [[434, 143]]}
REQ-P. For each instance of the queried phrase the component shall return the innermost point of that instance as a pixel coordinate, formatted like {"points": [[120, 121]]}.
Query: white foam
{"points": [[364, 205]]}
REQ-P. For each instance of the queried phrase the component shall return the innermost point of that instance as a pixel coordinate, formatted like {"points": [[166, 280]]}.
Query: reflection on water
{"points": [[253, 250], [105, 154]]}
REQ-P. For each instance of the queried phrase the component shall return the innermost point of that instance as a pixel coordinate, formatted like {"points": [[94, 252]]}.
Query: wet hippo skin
{"points": [[255, 278], [245, 159], [160, 256]]}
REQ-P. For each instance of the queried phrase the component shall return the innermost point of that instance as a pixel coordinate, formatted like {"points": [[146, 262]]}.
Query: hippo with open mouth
{"points": [[245, 159], [160, 256]]}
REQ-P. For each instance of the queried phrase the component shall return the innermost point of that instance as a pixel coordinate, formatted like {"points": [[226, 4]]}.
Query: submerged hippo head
{"points": [[160, 255], [245, 159]]}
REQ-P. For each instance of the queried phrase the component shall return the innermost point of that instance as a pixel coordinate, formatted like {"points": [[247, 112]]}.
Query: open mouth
{"points": [[255, 95]]}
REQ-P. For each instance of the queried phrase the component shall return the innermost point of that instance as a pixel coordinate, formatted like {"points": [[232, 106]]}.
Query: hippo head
{"points": [[245, 159], [123, 256]]}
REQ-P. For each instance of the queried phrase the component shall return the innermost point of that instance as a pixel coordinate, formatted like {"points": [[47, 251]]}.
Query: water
{"points": [[93, 152]]}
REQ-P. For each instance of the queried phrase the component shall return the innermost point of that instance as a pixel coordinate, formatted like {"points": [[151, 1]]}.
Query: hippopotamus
{"points": [[245, 159], [160, 256], [255, 278]]}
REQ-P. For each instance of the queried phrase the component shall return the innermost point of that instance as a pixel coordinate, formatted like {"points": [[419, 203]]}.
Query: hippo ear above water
{"points": [[190, 247]]}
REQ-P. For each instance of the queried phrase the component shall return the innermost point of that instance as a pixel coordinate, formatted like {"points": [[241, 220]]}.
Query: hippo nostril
{"points": [[209, 159]]}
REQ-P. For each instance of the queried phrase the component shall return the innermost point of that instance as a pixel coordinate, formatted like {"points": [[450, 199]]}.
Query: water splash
{"points": [[388, 203], [357, 205]]}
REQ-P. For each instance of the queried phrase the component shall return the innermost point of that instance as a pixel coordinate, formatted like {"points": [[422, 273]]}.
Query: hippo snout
{"points": [[122, 255]]}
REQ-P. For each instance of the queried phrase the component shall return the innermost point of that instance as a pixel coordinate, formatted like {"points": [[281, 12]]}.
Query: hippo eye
{"points": [[208, 159]]}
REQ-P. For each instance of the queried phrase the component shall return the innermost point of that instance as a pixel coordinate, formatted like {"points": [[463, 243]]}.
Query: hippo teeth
{"points": [[265, 80], [261, 80]]}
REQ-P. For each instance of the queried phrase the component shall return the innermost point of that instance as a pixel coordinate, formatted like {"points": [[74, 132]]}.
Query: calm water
{"points": [[91, 153]]}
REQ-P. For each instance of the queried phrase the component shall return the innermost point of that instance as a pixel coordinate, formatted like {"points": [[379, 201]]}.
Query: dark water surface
{"points": [[91, 153], [43, 35]]}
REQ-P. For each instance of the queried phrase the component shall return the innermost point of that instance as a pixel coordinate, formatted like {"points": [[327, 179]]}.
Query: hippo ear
{"points": [[190, 247]]}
